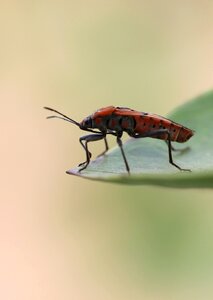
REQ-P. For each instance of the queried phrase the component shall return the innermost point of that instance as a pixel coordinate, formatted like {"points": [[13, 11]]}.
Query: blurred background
{"points": [[63, 237]]}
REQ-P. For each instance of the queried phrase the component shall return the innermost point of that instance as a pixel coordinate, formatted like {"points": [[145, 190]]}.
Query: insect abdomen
{"points": [[184, 135], [150, 123]]}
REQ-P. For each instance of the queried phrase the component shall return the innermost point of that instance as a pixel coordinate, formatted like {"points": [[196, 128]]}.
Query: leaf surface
{"points": [[148, 158]]}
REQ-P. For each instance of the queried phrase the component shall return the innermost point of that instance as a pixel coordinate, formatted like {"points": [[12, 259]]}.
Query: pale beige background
{"points": [[65, 238]]}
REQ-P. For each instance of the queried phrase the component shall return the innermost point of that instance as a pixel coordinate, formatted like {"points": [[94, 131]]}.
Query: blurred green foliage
{"points": [[65, 238]]}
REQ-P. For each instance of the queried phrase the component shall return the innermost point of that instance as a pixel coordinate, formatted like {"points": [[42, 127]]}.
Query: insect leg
{"points": [[178, 150], [120, 144], [159, 133], [87, 139], [170, 155], [106, 147]]}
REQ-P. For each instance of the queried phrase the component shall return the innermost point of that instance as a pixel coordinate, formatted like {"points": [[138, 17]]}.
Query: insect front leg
{"points": [[87, 139], [158, 133]]}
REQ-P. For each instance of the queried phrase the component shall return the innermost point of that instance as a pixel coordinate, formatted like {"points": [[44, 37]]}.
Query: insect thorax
{"points": [[114, 122]]}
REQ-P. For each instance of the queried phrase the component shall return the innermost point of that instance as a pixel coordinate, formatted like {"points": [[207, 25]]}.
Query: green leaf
{"points": [[148, 158]]}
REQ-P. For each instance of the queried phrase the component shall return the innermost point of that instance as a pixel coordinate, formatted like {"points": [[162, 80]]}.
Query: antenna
{"points": [[63, 117]]}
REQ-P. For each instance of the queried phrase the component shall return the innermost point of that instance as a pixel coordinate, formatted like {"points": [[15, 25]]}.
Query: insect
{"points": [[116, 120]]}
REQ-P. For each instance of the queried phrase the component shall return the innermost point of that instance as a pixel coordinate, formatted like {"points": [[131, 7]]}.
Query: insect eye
{"points": [[87, 122]]}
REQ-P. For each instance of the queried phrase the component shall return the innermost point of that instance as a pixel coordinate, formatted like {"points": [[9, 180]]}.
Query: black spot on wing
{"points": [[124, 108]]}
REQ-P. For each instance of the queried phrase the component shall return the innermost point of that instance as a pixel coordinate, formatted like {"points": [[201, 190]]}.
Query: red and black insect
{"points": [[116, 120]]}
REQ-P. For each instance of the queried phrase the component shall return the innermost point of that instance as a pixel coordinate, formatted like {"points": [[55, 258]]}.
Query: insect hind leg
{"points": [[158, 133], [170, 156], [182, 150]]}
